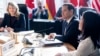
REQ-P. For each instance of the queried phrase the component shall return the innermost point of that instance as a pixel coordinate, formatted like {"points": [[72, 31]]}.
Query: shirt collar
{"points": [[68, 21]]}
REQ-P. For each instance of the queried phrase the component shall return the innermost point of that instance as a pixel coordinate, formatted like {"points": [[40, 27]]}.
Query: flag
{"points": [[50, 5], [96, 5], [30, 6], [83, 3], [74, 2]]}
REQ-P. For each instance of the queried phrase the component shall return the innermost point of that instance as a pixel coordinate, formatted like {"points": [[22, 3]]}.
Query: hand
{"points": [[38, 10], [10, 29], [52, 35], [42, 9], [1, 29]]}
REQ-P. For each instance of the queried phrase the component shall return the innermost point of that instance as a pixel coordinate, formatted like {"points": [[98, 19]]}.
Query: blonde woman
{"points": [[13, 19]]}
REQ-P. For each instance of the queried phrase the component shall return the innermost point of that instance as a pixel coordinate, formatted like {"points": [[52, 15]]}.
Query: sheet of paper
{"points": [[25, 32], [51, 51], [4, 38]]}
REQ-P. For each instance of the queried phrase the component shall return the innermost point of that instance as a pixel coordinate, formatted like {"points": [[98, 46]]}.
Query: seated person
{"points": [[58, 14], [40, 12], [90, 38], [69, 28], [13, 19]]}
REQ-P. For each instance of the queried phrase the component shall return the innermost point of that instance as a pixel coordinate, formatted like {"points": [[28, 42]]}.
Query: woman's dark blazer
{"points": [[18, 25]]}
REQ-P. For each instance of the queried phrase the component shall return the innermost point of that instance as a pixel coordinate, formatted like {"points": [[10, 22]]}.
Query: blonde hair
{"points": [[15, 6]]}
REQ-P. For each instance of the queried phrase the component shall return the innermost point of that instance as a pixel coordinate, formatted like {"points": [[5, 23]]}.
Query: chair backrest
{"points": [[83, 9], [23, 9]]}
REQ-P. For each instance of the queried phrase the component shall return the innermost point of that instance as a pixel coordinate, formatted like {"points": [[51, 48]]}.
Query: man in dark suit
{"points": [[58, 14], [40, 12], [69, 28]]}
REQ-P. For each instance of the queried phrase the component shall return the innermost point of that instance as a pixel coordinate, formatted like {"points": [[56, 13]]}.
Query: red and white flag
{"points": [[96, 5], [30, 6], [74, 2]]}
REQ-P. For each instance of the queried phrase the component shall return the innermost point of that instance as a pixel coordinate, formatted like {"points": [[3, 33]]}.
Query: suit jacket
{"points": [[42, 16], [18, 25], [71, 35], [85, 48]]}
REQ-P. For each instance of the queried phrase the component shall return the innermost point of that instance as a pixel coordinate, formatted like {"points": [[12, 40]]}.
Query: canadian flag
{"points": [[54, 5], [51, 5], [30, 6]]}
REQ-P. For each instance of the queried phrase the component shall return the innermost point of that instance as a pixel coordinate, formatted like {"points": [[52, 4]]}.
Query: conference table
{"points": [[38, 51]]}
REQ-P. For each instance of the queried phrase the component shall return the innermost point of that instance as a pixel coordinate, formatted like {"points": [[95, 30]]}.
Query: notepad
{"points": [[54, 42], [4, 38]]}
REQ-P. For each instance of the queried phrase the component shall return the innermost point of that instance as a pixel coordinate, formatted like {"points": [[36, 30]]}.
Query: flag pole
{"points": [[78, 7]]}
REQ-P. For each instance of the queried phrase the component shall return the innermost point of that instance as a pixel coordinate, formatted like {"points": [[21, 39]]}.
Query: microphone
{"points": [[45, 29], [42, 32], [26, 41]]}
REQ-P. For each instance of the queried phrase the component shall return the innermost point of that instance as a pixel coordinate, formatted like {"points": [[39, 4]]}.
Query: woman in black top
{"points": [[13, 20], [89, 44]]}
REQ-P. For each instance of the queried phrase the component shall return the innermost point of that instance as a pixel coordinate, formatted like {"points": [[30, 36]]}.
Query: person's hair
{"points": [[91, 27], [38, 1], [70, 6], [15, 6]]}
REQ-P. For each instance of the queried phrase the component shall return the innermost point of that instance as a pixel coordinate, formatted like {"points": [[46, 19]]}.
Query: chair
{"points": [[83, 9], [23, 9]]}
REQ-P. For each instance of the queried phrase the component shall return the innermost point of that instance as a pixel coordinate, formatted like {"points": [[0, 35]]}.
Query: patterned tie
{"points": [[65, 25]]}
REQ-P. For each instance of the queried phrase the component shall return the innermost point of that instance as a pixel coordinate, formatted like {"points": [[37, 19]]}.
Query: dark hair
{"points": [[91, 27], [70, 7]]}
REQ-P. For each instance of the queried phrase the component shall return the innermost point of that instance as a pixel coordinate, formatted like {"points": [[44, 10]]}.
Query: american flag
{"points": [[96, 5]]}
